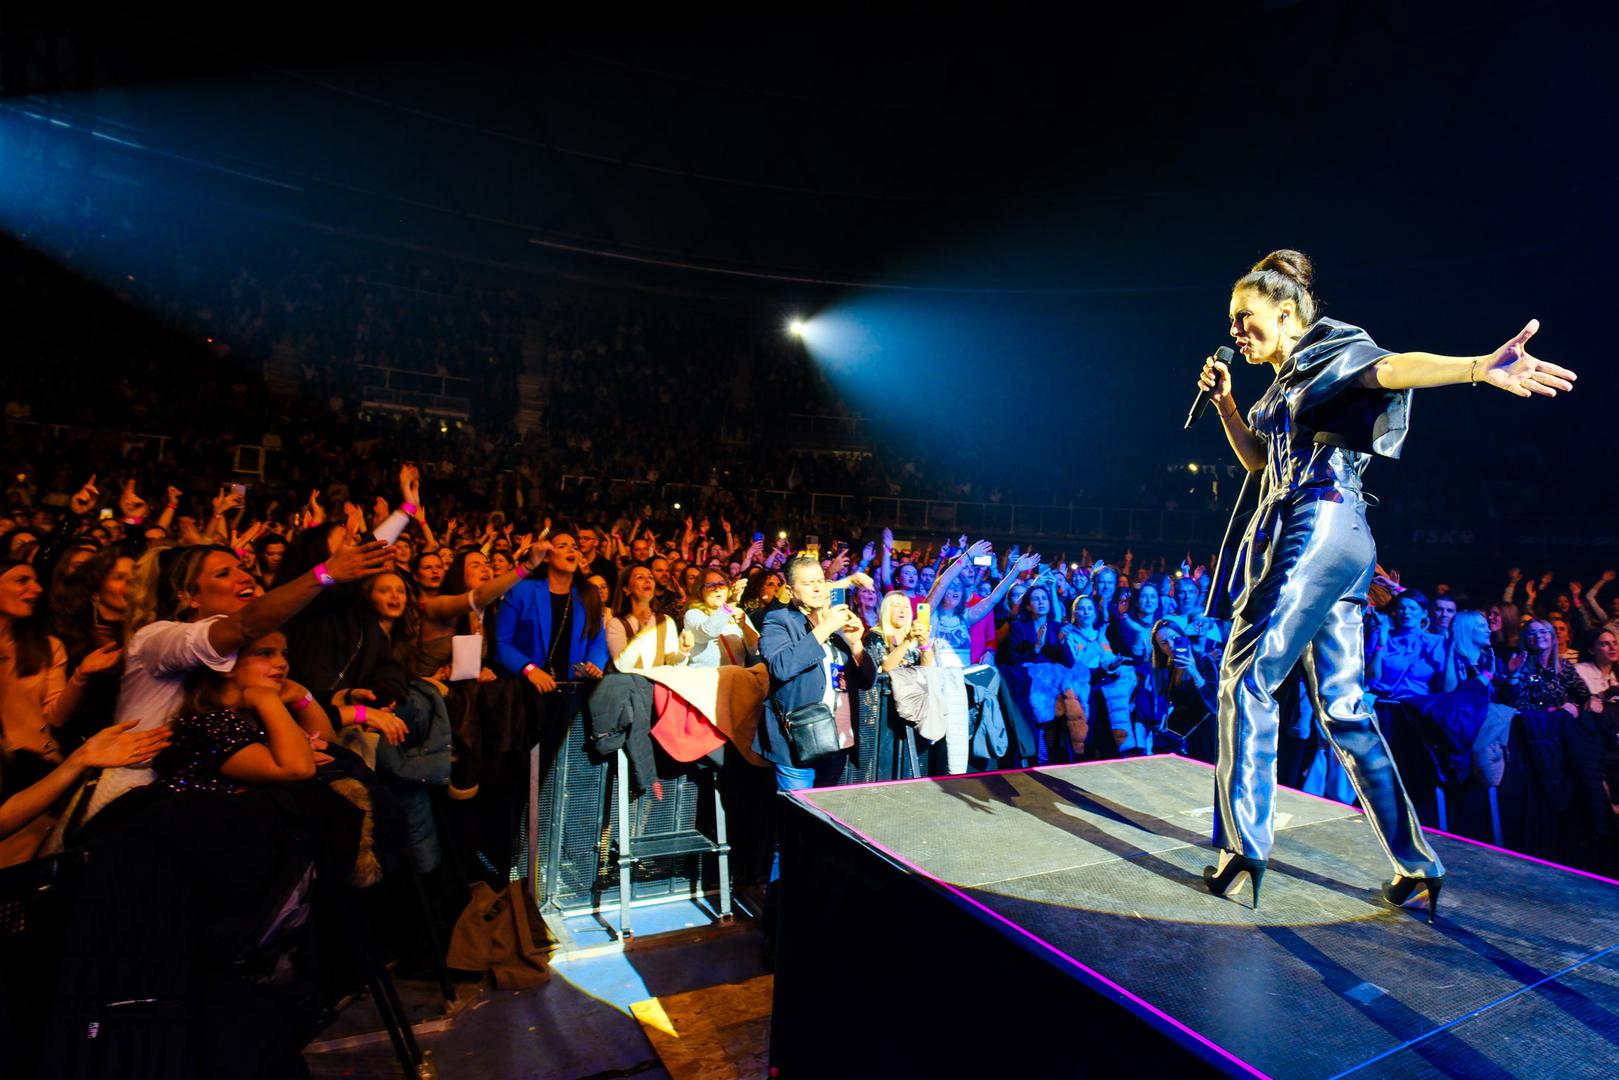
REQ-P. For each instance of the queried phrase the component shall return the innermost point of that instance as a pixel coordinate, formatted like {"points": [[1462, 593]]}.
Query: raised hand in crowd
{"points": [[838, 563], [241, 541], [131, 507], [410, 484], [188, 534], [354, 561], [84, 500], [226, 501]]}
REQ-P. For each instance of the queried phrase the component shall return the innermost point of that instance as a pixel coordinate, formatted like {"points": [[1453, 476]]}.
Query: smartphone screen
{"points": [[840, 596], [983, 560], [758, 537], [924, 617]]}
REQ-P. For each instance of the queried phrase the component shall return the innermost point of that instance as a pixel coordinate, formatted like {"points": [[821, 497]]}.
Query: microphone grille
{"points": [[1224, 354]]}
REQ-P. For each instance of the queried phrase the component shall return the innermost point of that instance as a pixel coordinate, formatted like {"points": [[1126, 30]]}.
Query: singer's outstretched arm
{"points": [[1250, 448], [1510, 368]]}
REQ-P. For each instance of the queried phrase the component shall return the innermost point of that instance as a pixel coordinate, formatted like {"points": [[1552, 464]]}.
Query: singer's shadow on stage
{"points": [[1054, 802]]}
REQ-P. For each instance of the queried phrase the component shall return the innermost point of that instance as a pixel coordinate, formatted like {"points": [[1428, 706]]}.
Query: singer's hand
{"points": [[1215, 380]]}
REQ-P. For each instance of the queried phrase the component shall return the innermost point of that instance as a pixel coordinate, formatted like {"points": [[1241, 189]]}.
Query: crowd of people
{"points": [[155, 648], [115, 605]]}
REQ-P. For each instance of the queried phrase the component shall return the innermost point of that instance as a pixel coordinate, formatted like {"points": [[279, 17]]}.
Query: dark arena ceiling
{"points": [[1155, 148]]}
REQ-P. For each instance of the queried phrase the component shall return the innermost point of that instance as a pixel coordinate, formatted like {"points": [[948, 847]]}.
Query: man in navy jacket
{"points": [[800, 645]]}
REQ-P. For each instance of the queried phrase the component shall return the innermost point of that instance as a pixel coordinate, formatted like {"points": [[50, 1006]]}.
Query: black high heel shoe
{"points": [[1219, 880], [1401, 889]]}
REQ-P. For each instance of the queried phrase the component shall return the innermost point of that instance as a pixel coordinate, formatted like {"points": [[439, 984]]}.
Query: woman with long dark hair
{"points": [[1037, 663], [88, 604], [640, 636], [442, 614], [760, 594], [1298, 557], [1132, 633], [1175, 701], [36, 696]]}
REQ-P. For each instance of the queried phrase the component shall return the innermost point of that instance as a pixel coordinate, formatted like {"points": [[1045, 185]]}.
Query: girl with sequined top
{"points": [[234, 730]]}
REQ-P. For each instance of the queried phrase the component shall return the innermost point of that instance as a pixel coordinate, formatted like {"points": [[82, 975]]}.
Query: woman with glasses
{"points": [[720, 632], [1539, 678]]}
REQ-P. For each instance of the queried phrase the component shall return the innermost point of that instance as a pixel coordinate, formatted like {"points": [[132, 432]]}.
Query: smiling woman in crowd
{"points": [[193, 607], [1539, 678], [720, 632]]}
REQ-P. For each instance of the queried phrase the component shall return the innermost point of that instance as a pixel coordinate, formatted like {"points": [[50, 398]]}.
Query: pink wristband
{"points": [[303, 703], [408, 508], [359, 715], [522, 571], [528, 668], [323, 577]]}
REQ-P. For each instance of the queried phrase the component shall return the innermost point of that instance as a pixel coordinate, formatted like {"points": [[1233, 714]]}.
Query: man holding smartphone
{"points": [[814, 653]]}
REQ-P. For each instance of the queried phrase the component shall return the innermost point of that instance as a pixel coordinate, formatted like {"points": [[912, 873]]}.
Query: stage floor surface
{"points": [[1098, 867]]}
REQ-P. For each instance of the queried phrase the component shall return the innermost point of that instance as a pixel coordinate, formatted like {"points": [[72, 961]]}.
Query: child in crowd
{"points": [[233, 730]]}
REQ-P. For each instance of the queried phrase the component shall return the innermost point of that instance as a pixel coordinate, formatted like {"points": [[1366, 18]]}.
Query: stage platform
{"points": [[1053, 922]]}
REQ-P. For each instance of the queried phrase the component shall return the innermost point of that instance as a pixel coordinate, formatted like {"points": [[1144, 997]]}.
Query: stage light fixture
{"points": [[796, 328]]}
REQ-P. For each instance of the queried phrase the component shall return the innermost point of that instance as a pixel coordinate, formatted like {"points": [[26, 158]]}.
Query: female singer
{"points": [[1297, 558]]}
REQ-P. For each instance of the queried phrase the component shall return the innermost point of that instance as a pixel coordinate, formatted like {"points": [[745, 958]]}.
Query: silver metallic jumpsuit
{"points": [[1292, 576]]}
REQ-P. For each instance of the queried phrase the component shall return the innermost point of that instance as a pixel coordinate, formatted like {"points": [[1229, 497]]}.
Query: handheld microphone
{"points": [[1224, 355]]}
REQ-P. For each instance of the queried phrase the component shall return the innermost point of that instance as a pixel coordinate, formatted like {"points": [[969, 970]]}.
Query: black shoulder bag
{"points": [[812, 730]]}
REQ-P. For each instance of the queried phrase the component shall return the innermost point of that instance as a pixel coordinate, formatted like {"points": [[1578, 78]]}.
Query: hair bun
{"points": [[1295, 264]]}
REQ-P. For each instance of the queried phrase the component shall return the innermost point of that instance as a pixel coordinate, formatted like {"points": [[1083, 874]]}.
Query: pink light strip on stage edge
{"points": [[804, 796]]}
